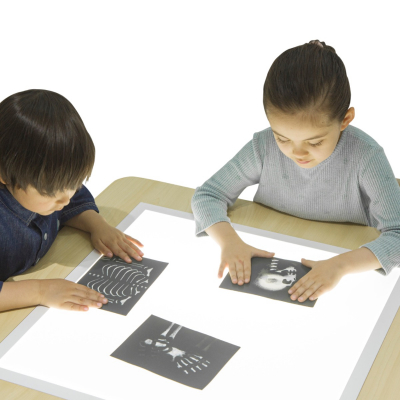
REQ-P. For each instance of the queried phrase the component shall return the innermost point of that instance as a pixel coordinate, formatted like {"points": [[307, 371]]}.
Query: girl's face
{"points": [[33, 201], [303, 142]]}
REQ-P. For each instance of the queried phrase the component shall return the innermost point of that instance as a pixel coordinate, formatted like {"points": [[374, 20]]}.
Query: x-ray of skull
{"points": [[272, 278]]}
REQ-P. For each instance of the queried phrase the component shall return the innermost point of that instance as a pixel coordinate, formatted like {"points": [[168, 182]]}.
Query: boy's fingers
{"points": [[134, 240], [82, 301], [132, 246], [103, 249], [82, 290], [74, 307], [94, 296], [130, 252], [232, 272]]}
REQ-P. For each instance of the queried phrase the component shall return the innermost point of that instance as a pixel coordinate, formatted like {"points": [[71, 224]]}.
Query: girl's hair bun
{"points": [[323, 45]]}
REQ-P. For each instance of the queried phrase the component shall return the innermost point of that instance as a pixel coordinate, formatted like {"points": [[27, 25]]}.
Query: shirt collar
{"points": [[26, 216]]}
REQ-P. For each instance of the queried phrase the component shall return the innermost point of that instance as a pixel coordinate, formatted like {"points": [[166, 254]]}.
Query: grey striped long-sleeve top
{"points": [[354, 184]]}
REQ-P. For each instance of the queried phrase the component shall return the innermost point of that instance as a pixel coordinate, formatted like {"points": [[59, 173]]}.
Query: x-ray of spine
{"points": [[122, 283]]}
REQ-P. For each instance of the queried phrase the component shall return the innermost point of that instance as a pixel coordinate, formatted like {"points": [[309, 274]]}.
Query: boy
{"points": [[45, 155]]}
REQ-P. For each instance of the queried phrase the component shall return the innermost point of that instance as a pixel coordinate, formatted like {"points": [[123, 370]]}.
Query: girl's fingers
{"points": [[247, 271], [309, 292], [301, 289], [240, 272], [232, 272], [318, 293], [222, 266], [262, 253]]}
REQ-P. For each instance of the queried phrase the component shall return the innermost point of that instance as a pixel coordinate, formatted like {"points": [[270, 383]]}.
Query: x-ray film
{"points": [[123, 284], [175, 352], [272, 278]]}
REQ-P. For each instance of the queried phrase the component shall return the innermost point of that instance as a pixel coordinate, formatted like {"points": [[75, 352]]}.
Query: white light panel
{"points": [[287, 351]]}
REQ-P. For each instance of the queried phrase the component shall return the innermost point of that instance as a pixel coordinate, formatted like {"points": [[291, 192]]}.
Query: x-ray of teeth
{"points": [[122, 283], [175, 352], [272, 278]]}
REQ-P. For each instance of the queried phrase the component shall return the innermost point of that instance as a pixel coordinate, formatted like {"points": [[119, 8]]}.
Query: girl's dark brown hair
{"points": [[309, 79], [43, 143]]}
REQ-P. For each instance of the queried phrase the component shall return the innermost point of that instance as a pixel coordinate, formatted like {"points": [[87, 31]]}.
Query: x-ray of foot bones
{"points": [[122, 283], [272, 278], [176, 352]]}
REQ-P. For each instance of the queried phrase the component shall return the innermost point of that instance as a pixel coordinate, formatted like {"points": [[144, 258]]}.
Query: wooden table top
{"points": [[117, 201]]}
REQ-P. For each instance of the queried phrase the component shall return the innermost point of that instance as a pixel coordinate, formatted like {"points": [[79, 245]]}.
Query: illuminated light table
{"points": [[286, 350]]}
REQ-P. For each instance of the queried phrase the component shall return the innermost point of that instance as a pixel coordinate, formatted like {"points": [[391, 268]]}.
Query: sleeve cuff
{"points": [[1, 286], [383, 270], [200, 229]]}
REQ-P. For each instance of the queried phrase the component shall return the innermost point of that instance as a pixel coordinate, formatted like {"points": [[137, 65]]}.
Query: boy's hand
{"points": [[108, 241], [324, 276], [59, 293], [237, 256]]}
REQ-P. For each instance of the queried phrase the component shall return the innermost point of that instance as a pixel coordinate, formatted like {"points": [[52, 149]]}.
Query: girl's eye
{"points": [[280, 140], [316, 144]]}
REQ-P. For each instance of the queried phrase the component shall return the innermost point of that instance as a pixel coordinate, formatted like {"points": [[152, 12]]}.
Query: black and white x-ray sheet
{"points": [[176, 352], [122, 283], [272, 278]]}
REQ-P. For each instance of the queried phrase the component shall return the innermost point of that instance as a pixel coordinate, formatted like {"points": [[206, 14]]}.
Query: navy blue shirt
{"points": [[25, 236]]}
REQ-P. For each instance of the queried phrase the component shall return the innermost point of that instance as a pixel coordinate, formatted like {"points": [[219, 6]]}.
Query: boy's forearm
{"points": [[87, 221], [222, 233], [19, 294], [359, 260]]}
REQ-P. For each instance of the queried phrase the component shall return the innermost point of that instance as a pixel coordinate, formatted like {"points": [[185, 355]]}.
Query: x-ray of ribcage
{"points": [[123, 284]]}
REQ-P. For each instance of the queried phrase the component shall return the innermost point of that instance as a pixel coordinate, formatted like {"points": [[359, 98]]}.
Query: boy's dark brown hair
{"points": [[43, 143], [309, 79]]}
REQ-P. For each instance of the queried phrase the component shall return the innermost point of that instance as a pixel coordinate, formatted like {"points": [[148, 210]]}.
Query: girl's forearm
{"points": [[223, 233], [358, 260], [19, 294]]}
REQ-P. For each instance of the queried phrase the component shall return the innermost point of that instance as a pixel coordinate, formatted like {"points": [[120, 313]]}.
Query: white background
{"points": [[171, 90]]}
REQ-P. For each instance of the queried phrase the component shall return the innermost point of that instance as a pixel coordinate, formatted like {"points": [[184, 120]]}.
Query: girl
{"points": [[310, 163]]}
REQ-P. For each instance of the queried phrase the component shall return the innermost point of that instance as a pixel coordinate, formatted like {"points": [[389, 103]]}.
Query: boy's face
{"points": [[35, 202], [304, 143]]}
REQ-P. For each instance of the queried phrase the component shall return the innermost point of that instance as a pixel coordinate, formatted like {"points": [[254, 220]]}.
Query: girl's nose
{"points": [[299, 151]]}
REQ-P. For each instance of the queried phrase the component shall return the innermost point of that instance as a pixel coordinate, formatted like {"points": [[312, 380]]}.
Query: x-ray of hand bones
{"points": [[188, 362], [120, 282]]}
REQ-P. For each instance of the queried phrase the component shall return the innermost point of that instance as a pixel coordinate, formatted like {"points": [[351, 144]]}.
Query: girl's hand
{"points": [[324, 276], [109, 241], [236, 255], [59, 293]]}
